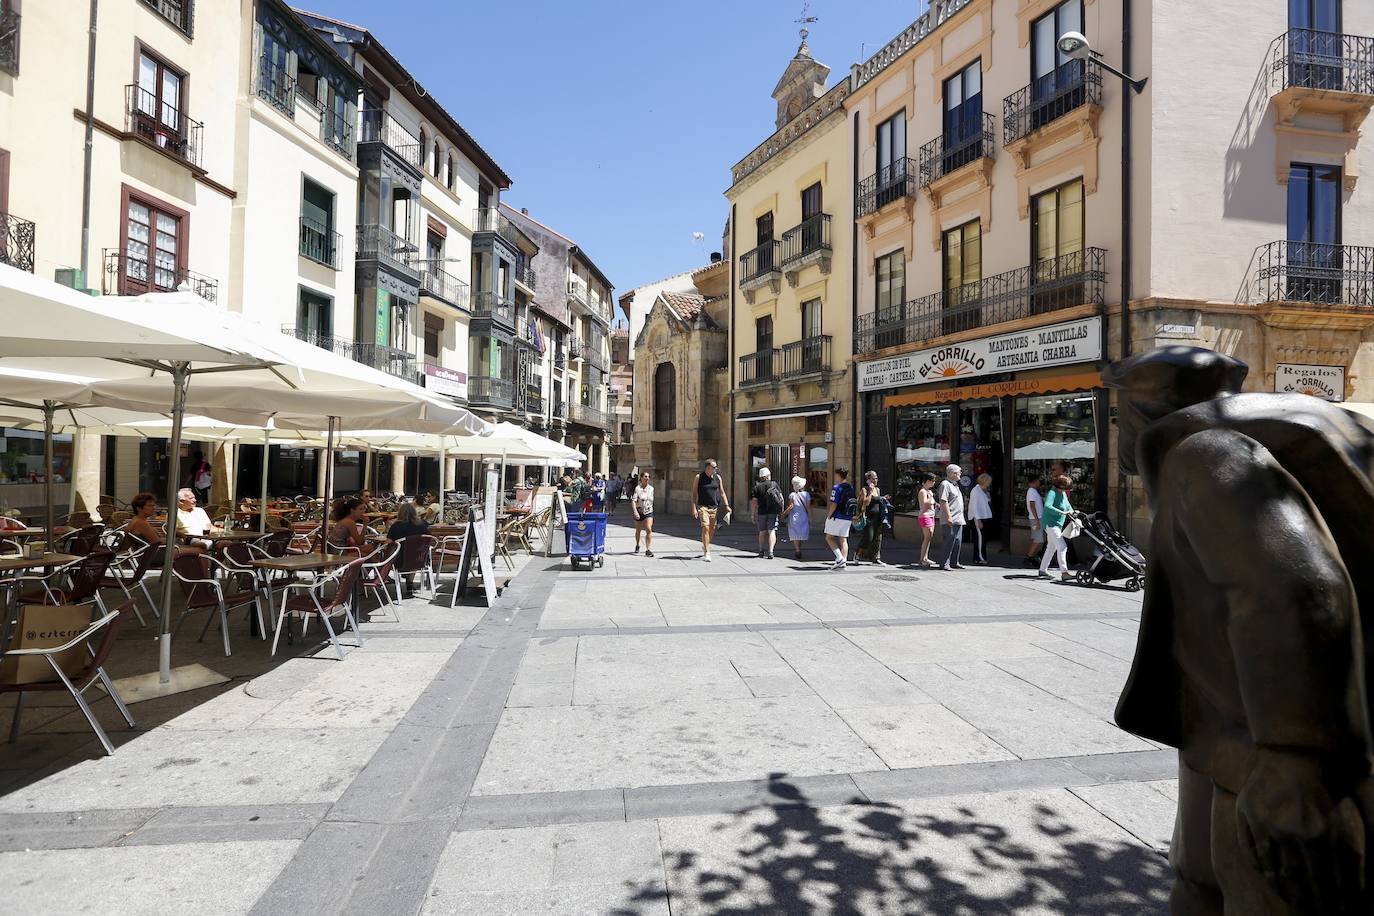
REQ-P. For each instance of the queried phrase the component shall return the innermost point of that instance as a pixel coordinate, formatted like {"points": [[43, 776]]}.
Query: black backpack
{"points": [[772, 501]]}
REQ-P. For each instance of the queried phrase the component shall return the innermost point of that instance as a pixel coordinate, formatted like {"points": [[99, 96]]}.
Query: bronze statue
{"points": [[1256, 636]]}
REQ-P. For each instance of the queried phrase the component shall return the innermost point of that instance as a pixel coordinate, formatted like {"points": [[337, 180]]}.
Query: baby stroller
{"points": [[1114, 557]]}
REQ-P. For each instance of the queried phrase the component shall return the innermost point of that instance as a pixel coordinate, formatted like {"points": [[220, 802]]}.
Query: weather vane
{"points": [[804, 20]]}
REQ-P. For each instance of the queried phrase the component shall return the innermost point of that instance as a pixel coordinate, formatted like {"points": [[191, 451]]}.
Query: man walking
{"points": [[708, 499], [1035, 510], [615, 487], [843, 505], [950, 501], [766, 503]]}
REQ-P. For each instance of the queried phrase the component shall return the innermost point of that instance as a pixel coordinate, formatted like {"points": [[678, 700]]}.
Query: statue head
{"points": [[1155, 384]]}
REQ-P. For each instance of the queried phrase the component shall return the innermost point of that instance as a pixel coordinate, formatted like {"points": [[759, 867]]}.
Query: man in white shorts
{"points": [[841, 516]]}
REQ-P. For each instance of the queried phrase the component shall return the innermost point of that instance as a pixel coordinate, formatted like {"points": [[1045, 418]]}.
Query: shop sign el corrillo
{"points": [[1053, 345]]}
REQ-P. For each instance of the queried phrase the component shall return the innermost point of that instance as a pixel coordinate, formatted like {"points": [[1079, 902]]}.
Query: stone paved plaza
{"points": [[656, 736]]}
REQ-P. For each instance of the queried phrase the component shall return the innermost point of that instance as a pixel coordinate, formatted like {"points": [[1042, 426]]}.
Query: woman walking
{"points": [[642, 504], [798, 515], [1057, 509], [871, 509], [980, 511], [925, 503]]}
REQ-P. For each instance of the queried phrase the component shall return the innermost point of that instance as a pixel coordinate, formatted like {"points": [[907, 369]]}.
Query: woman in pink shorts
{"points": [[926, 505]]}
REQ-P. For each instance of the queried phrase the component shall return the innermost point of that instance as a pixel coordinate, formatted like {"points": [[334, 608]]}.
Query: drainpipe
{"points": [[1122, 500], [855, 462], [730, 344], [89, 148]]}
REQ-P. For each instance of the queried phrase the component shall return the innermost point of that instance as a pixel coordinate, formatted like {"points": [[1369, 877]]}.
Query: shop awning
{"points": [[1054, 384], [784, 413]]}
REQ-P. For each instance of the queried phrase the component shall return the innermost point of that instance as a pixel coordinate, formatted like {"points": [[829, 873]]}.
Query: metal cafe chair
{"points": [[315, 599], [416, 559], [376, 578], [206, 593], [78, 683]]}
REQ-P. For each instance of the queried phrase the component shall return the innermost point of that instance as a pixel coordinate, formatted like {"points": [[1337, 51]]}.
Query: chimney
{"points": [[524, 211], [715, 257]]}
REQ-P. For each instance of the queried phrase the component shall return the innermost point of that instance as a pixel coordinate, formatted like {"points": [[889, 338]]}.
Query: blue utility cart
{"points": [[586, 538]]}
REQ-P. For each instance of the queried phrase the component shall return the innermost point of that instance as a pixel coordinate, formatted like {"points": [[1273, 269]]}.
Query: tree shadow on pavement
{"points": [[791, 857]]}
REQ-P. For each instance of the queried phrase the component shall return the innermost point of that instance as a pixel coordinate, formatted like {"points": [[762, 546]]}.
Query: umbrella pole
{"points": [[49, 408], [181, 377], [328, 486], [367, 469], [262, 504], [443, 472]]}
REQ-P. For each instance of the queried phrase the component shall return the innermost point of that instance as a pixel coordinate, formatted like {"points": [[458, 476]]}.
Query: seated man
{"points": [[192, 520]]}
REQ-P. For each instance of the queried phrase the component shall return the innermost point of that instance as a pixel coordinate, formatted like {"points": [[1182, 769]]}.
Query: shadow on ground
{"points": [[792, 857]]}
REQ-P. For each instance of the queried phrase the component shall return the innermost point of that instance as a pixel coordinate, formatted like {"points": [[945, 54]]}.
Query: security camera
{"points": [[1075, 45]]}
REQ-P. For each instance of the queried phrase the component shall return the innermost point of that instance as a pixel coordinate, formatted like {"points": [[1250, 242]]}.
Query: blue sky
{"points": [[618, 121]]}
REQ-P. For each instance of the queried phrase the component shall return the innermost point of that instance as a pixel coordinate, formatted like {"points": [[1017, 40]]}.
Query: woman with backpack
{"points": [[767, 504], [870, 548], [843, 506]]}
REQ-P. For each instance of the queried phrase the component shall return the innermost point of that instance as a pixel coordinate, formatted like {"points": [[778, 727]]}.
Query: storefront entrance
{"points": [[981, 451]]}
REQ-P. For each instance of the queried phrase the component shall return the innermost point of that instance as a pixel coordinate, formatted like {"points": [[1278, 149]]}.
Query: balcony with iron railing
{"points": [[593, 353], [319, 243], [16, 241], [491, 391], [525, 276], [277, 86], [1070, 280], [807, 243], [487, 305], [377, 126], [10, 21], [891, 183], [808, 356], [381, 244], [1311, 274], [391, 360], [577, 290], [162, 124], [760, 367], [491, 221], [559, 409], [949, 153], [180, 13], [560, 358], [131, 274], [440, 284], [1323, 73], [1068, 88], [574, 347], [588, 415], [761, 266]]}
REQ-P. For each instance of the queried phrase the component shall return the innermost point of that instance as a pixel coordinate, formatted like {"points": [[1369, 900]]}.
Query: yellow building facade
{"points": [[791, 307]]}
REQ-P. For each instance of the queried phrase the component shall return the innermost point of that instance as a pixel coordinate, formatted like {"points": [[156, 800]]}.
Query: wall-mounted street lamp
{"points": [[1075, 45]]}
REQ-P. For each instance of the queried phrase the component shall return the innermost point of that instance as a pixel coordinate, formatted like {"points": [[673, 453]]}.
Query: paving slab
{"points": [[921, 735], [367, 690]]}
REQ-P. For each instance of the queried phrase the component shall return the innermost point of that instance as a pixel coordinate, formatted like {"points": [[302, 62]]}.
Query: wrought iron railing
{"points": [[574, 347], [180, 13], [441, 284], [806, 356], [277, 86], [377, 242], [760, 261], [10, 21], [946, 153], [130, 274], [560, 409], [525, 275], [494, 306], [1077, 278], [391, 360], [164, 125], [592, 353], [560, 359], [1314, 273], [491, 390], [16, 242], [577, 290], [319, 243], [890, 183], [1309, 59], [811, 236], [588, 415], [1069, 86], [342, 346], [336, 132], [376, 125], [761, 367]]}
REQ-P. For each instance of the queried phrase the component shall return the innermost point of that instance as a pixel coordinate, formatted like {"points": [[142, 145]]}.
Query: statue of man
{"points": [[1256, 637]]}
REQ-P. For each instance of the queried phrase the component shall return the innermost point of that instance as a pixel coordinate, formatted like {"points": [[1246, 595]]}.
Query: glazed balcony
{"points": [[319, 243], [377, 126], [162, 125], [1065, 282], [593, 354], [588, 415], [1068, 88], [180, 13], [491, 392], [889, 184], [381, 244], [948, 154], [490, 221], [1312, 274], [806, 244], [761, 267], [16, 241], [1322, 73], [9, 40], [495, 307], [130, 274], [439, 284]]}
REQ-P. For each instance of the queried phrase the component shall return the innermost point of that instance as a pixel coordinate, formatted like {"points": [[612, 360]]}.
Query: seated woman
{"points": [[427, 509], [144, 507], [347, 525], [407, 522]]}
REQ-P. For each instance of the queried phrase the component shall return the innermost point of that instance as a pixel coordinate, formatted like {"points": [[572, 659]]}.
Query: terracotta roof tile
{"points": [[687, 305]]}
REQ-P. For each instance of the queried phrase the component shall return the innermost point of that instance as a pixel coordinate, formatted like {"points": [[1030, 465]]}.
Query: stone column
{"points": [[319, 472], [398, 474], [86, 464]]}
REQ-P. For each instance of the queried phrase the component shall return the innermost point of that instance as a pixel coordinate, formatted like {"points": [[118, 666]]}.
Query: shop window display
{"points": [[1057, 434], [817, 474], [21, 457], [922, 445]]}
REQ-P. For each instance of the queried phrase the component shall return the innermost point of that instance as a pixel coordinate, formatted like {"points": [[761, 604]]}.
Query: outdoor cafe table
{"points": [[10, 565], [294, 563], [229, 536]]}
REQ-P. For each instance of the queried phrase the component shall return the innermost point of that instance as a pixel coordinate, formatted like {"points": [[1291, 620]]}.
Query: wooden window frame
{"points": [[142, 50], [129, 194]]}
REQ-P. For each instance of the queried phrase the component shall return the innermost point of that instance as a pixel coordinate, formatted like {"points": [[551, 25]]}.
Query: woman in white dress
{"points": [[798, 515], [980, 512]]}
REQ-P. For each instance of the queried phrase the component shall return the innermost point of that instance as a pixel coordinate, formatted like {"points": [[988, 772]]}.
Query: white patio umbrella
{"points": [[143, 351]]}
